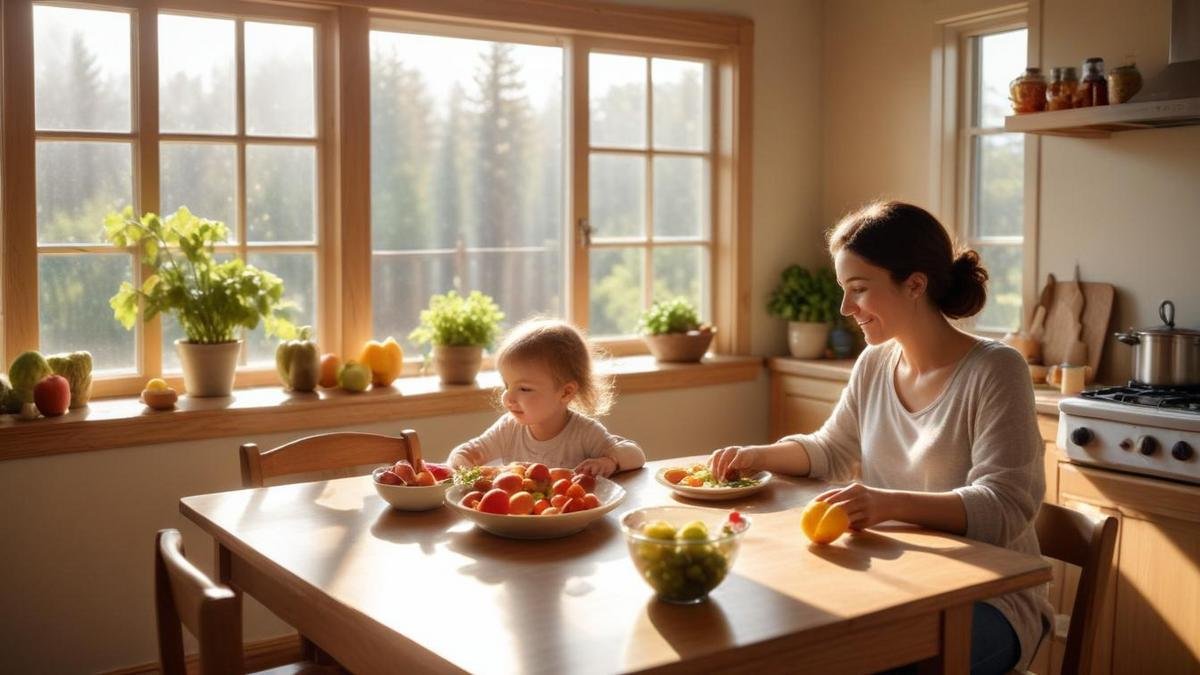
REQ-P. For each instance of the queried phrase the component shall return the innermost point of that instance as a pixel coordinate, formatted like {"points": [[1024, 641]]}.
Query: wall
{"points": [[76, 574], [1125, 208]]}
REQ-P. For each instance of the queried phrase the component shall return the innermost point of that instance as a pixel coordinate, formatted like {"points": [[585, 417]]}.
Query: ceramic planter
{"points": [[686, 347], [208, 369], [807, 340], [457, 365]]}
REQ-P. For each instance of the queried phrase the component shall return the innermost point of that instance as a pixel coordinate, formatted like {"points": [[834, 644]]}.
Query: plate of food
{"points": [[532, 501], [697, 482]]}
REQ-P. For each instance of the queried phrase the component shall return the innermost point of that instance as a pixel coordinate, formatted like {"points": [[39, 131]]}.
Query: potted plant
{"points": [[673, 332], [458, 329], [213, 301], [810, 303]]}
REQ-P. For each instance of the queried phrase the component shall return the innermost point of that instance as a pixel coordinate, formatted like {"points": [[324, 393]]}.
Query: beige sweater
{"points": [[583, 438], [979, 438]]}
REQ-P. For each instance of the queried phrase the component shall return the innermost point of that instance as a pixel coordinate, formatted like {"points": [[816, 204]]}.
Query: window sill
{"points": [[125, 422]]}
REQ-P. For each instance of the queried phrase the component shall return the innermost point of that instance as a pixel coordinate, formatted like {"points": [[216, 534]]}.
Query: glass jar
{"points": [[1063, 84], [1093, 88], [1028, 92], [1123, 83]]}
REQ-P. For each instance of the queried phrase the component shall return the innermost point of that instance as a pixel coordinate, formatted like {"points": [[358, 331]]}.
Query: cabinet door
{"points": [[803, 415], [1158, 597]]}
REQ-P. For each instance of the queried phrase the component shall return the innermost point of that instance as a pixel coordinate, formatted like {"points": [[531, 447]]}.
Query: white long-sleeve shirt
{"points": [[978, 438], [582, 438]]}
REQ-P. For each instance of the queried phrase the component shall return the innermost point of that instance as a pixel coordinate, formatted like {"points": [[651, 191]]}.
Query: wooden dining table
{"points": [[384, 591]]}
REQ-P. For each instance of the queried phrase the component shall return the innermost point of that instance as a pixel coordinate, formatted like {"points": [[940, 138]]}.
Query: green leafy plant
{"points": [[212, 300], [676, 315], [803, 296], [455, 321]]}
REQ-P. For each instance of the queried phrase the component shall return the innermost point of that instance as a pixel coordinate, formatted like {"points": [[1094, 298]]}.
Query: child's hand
{"points": [[599, 466]]}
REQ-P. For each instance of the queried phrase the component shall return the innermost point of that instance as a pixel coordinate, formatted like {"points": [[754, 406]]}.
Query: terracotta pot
{"points": [[806, 340], [208, 369], [457, 365], [686, 347]]}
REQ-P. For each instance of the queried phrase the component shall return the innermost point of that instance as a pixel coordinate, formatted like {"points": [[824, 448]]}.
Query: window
{"points": [[994, 170], [562, 169]]}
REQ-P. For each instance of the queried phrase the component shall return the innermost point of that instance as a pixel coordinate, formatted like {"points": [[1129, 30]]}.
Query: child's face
{"points": [[531, 394]]}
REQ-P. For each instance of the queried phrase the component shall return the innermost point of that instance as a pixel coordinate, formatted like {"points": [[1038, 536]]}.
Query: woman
{"points": [[942, 423]]}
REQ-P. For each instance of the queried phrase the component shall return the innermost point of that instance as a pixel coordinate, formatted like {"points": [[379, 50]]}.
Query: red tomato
{"points": [[529, 485], [520, 504], [693, 481], [591, 501], [495, 501], [560, 486], [576, 491], [538, 472], [482, 484], [509, 482], [573, 505], [557, 501], [541, 505], [673, 476]]}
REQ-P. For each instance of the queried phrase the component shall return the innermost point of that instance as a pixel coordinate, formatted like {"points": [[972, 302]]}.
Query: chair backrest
{"points": [[323, 453], [185, 595], [1075, 538]]}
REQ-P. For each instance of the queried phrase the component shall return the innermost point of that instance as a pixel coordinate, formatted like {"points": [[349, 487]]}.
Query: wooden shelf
{"points": [[1101, 121]]}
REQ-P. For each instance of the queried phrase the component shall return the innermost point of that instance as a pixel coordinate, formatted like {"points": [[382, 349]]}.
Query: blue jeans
{"points": [[995, 648]]}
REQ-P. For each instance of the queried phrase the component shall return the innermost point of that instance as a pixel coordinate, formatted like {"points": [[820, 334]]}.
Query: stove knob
{"points": [[1081, 436], [1181, 451], [1147, 445], [1126, 444]]}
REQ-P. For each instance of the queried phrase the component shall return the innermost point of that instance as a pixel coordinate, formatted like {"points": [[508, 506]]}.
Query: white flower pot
{"points": [[807, 340], [457, 365], [208, 370]]}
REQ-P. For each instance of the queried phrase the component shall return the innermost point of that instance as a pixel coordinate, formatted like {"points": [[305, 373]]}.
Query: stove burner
{"points": [[1186, 399]]}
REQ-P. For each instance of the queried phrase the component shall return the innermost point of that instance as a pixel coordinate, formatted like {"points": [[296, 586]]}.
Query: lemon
{"points": [[695, 530], [659, 529], [823, 522], [157, 384]]}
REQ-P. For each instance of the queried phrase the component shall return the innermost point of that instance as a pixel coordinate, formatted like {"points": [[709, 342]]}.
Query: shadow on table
{"points": [[427, 529]]}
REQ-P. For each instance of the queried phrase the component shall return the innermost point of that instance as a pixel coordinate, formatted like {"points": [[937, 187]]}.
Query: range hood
{"points": [[1181, 78]]}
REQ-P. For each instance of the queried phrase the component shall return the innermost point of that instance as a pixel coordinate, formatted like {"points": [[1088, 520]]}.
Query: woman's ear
{"points": [[916, 284]]}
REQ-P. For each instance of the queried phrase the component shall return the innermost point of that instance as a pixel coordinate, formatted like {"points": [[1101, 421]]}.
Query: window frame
{"points": [[952, 111], [343, 117]]}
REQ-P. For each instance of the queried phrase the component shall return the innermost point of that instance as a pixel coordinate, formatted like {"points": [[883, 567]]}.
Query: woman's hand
{"points": [[866, 506], [598, 466], [725, 460]]}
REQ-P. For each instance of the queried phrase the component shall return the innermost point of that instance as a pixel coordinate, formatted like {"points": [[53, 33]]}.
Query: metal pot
{"points": [[1164, 356]]}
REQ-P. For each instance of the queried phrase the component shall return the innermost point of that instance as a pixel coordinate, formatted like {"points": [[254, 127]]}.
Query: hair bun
{"points": [[968, 286]]}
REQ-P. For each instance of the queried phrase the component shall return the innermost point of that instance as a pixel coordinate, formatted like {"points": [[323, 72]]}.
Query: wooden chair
{"points": [[324, 453], [1075, 538], [185, 596]]}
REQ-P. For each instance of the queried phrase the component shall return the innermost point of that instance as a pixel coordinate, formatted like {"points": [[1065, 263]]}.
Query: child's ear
{"points": [[568, 391]]}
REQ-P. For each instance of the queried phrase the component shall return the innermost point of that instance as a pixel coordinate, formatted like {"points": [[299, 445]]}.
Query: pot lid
{"points": [[1166, 312]]}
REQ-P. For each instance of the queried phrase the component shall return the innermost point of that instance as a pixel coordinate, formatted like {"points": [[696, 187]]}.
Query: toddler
{"points": [[551, 393]]}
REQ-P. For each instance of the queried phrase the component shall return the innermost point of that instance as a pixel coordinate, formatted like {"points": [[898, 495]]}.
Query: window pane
{"points": [[681, 197], [197, 86], [73, 309], [81, 63], [298, 271], [281, 193], [682, 271], [467, 169], [617, 195], [77, 184], [682, 104], [617, 96], [616, 291], [400, 289], [999, 185], [279, 80], [200, 176], [1001, 57], [1003, 309]]}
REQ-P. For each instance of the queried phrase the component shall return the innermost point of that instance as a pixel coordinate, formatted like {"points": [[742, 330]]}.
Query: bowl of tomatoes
{"points": [[532, 501]]}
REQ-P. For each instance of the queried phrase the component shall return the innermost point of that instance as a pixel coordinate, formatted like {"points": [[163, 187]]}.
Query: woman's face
{"points": [[881, 307]]}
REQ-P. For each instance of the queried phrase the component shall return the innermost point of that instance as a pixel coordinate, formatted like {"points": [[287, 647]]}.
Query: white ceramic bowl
{"points": [[714, 493], [414, 498], [540, 527]]}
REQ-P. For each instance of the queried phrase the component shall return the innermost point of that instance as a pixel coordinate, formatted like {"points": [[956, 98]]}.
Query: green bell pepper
{"points": [[299, 362]]}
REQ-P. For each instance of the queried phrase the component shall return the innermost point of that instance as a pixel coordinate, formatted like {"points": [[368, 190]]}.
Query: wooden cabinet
{"points": [[803, 393]]}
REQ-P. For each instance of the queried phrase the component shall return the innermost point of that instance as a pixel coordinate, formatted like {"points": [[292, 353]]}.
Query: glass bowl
{"points": [[686, 568]]}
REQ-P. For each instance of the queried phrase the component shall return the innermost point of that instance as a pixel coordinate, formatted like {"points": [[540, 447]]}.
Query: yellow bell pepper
{"points": [[385, 359]]}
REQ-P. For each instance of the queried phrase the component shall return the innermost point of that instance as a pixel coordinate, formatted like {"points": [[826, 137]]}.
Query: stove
{"points": [[1153, 431]]}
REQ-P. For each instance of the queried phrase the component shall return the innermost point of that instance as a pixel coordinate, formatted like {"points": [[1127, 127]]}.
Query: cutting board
{"points": [[1060, 320]]}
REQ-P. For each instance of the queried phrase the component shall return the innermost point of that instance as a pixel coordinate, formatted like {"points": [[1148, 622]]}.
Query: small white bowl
{"points": [[410, 498], [539, 527], [714, 494]]}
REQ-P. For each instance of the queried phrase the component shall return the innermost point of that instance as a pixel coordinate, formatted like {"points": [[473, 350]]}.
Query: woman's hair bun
{"points": [[968, 286]]}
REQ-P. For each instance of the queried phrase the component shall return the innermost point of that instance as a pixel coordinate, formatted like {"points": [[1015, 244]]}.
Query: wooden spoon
{"points": [[412, 449]]}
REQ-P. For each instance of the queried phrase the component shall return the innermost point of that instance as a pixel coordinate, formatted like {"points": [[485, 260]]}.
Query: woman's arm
{"points": [[867, 506], [786, 456]]}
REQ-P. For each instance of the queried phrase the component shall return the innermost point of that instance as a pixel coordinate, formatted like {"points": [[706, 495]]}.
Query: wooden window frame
{"points": [[952, 110], [343, 121]]}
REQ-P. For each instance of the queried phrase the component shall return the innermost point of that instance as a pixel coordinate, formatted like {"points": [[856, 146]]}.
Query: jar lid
{"points": [[1064, 73]]}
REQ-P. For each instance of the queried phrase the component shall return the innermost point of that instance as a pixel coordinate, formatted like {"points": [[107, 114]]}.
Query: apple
{"points": [[591, 501], [389, 477], [440, 471], [52, 395], [520, 504], [539, 473], [509, 482], [405, 471], [560, 486], [354, 376], [495, 501], [576, 491], [471, 499], [586, 480]]}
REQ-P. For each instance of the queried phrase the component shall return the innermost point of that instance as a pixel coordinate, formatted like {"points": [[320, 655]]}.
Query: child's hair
{"points": [[564, 350]]}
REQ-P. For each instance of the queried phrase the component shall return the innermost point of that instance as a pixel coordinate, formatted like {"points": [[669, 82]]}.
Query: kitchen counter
{"points": [[1045, 398]]}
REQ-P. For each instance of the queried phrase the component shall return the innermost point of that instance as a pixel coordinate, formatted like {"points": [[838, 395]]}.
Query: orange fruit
{"points": [[823, 522], [330, 363]]}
